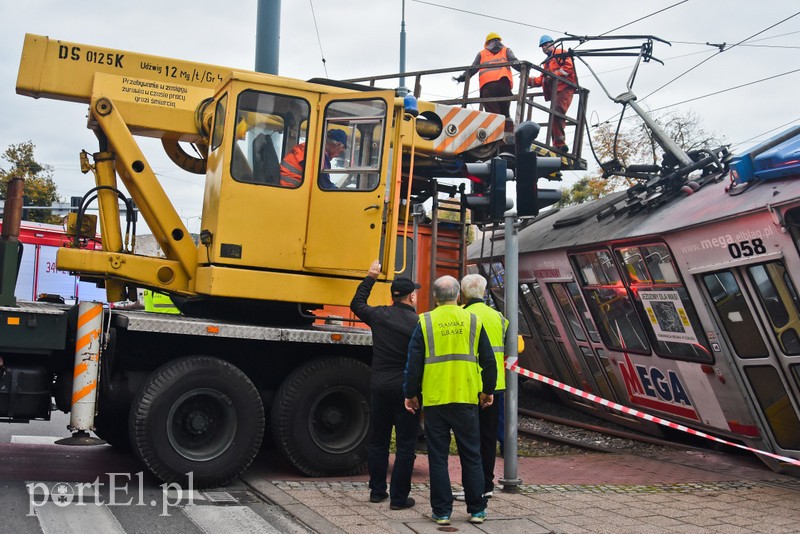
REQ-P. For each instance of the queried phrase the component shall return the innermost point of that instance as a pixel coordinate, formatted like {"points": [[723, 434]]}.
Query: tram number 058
{"points": [[747, 248]]}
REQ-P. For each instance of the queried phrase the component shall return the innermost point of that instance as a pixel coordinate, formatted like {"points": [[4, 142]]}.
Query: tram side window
{"points": [[663, 303], [583, 313], [562, 299], [496, 274], [555, 350], [609, 302], [268, 128], [735, 315], [779, 298]]}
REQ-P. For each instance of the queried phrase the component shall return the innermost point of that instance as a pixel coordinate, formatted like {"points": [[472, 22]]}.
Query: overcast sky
{"points": [[361, 38]]}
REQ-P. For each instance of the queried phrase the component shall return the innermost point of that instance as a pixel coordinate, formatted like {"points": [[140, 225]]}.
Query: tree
{"points": [[40, 189], [635, 145]]}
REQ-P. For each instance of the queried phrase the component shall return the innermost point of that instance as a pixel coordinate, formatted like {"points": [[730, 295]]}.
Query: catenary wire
{"points": [[488, 16], [319, 40], [706, 60], [718, 53], [644, 17], [796, 119], [726, 90]]}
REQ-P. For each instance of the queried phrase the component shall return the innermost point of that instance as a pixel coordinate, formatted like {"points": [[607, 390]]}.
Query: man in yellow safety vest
{"points": [[451, 366], [473, 289]]}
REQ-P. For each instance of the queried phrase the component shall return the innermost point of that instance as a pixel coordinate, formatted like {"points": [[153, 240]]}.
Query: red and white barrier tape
{"points": [[641, 415]]}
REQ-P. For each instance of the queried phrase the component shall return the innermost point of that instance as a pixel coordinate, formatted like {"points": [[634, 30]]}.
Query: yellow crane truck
{"points": [[193, 394]]}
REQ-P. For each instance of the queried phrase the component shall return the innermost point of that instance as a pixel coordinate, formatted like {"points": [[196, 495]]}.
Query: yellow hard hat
{"points": [[492, 36]]}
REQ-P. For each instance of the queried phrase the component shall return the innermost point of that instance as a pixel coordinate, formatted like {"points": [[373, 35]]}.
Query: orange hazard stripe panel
{"points": [[81, 368], [81, 393], [89, 315], [450, 115], [461, 127], [474, 135], [85, 340]]}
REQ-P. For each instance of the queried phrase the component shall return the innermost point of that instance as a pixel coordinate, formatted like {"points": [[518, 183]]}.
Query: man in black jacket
{"points": [[392, 327]]}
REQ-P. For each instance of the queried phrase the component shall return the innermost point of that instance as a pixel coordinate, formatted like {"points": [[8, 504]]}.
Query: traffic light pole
{"points": [[510, 481]]}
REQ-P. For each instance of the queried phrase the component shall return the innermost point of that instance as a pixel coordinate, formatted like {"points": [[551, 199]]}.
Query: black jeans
{"points": [[387, 410], [463, 420], [489, 418]]}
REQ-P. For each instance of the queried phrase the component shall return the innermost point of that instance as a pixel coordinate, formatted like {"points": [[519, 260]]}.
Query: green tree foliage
{"points": [[40, 189], [635, 145]]}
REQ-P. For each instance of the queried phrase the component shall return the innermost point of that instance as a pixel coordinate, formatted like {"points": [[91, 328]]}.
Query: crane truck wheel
{"points": [[197, 415], [320, 417]]}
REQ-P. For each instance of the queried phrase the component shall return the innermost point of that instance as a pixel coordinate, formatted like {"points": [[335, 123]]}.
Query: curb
{"points": [[270, 492]]}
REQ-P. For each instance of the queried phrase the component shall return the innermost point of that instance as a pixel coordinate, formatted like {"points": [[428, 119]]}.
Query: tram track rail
{"points": [[586, 441]]}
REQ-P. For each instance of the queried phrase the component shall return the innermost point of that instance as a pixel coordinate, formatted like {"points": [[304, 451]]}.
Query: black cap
{"points": [[403, 286]]}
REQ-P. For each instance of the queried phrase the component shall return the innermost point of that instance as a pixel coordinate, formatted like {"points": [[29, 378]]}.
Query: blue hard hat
{"points": [[544, 39], [338, 136]]}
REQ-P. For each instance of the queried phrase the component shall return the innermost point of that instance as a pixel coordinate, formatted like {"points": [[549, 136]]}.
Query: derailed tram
{"points": [[682, 302]]}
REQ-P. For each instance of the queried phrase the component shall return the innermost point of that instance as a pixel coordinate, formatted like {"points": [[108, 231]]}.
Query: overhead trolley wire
{"points": [[718, 53], [796, 119], [726, 90], [319, 40], [704, 61], [644, 17], [488, 16]]}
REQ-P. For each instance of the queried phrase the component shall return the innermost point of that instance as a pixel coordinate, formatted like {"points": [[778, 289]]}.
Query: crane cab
{"points": [[296, 189]]}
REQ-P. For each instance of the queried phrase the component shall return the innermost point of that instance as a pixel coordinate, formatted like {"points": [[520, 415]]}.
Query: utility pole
{"points": [[268, 36], [403, 89]]}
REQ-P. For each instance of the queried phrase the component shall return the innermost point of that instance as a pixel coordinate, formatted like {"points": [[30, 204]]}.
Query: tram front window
{"points": [[735, 314], [779, 297]]}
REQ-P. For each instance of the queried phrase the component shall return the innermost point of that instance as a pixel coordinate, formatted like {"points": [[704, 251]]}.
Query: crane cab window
{"points": [[269, 137], [352, 147], [219, 122]]}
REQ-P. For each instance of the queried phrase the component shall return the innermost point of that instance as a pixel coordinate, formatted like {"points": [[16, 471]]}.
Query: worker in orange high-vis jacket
{"points": [[561, 65], [294, 162], [494, 81]]}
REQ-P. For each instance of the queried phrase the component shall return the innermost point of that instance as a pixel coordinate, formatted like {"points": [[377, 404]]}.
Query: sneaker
{"points": [[408, 503], [442, 519], [478, 517], [378, 497]]}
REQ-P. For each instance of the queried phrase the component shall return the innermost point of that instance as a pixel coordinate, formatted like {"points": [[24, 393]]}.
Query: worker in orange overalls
{"points": [[561, 65], [494, 81], [294, 162]]}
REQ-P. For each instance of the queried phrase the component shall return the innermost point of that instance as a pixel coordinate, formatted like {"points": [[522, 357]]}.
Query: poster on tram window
{"points": [[668, 316]]}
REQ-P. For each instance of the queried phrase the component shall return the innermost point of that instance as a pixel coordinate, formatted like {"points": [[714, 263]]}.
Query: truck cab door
{"points": [[348, 196]]}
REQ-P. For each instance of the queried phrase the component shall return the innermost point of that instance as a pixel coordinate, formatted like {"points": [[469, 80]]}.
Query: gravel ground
{"points": [[537, 397]]}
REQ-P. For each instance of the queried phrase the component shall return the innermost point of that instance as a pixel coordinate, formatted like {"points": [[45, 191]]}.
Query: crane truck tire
{"points": [[197, 415], [320, 417]]}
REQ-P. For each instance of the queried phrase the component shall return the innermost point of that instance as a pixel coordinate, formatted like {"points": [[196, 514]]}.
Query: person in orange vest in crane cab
{"points": [[294, 163], [494, 81], [561, 65]]}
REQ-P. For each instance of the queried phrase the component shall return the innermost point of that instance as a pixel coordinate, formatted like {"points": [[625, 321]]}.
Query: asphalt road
{"points": [[47, 488]]}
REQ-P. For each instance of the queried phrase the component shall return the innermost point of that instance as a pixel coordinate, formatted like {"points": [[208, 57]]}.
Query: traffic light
{"points": [[530, 168], [487, 197]]}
